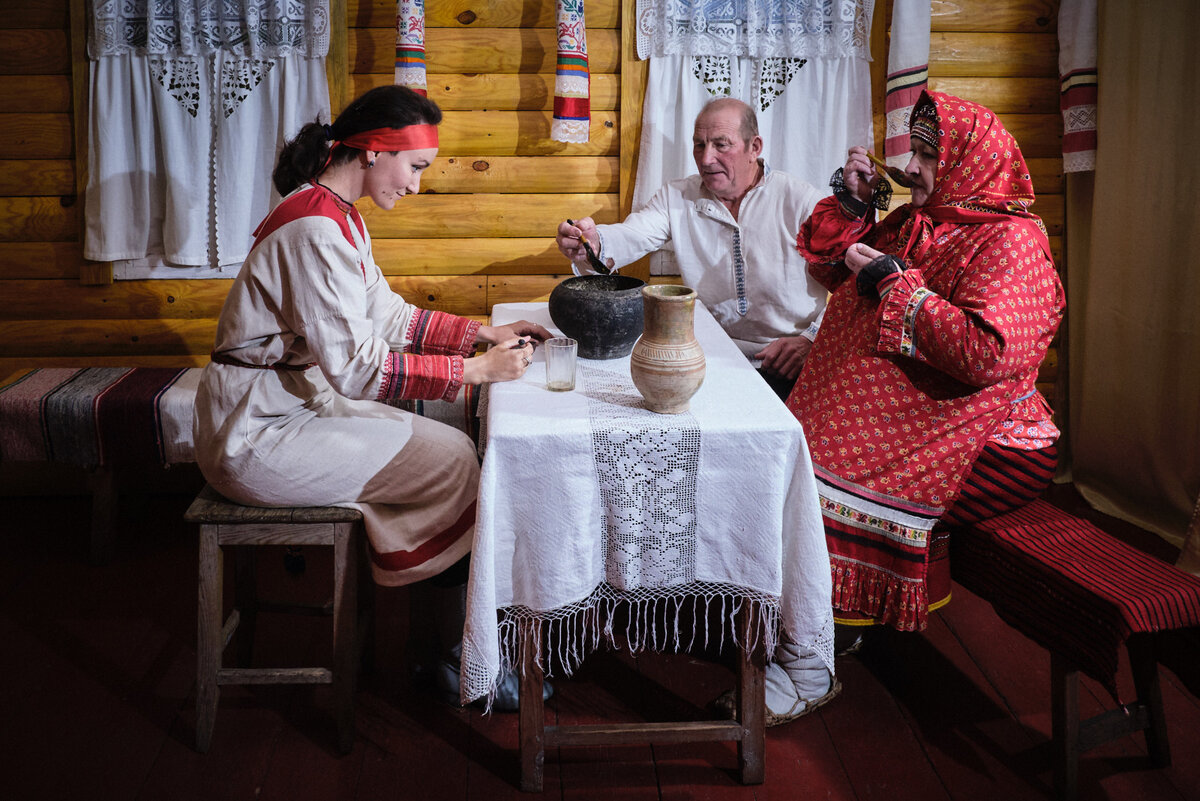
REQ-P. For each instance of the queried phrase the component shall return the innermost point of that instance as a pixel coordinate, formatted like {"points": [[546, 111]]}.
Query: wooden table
{"points": [[588, 500]]}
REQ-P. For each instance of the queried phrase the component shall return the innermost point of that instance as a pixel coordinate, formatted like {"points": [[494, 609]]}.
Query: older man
{"points": [[733, 230]]}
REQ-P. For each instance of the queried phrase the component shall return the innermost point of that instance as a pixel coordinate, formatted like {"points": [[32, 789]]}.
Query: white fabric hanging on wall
{"points": [[803, 65], [824, 109], [191, 101], [172, 181]]}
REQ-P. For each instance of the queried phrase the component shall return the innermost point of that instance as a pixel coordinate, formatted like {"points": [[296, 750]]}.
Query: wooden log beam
{"points": [[523, 174], [470, 256], [109, 338], [1003, 95], [501, 92], [37, 136], [28, 51], [34, 177], [38, 219], [438, 216], [33, 14], [40, 260], [993, 55], [485, 14], [521, 133], [1010, 16], [488, 50], [35, 93]]}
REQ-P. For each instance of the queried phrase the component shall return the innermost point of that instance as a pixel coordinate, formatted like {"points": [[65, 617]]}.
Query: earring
{"points": [[370, 164]]}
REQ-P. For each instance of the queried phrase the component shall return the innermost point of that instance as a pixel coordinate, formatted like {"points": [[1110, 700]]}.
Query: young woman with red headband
{"points": [[311, 337]]}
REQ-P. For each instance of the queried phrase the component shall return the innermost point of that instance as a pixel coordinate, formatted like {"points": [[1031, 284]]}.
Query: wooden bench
{"points": [[223, 523], [1081, 594], [105, 420]]}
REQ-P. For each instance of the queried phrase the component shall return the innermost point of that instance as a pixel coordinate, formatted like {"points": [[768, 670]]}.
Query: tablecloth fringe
{"points": [[653, 623]]}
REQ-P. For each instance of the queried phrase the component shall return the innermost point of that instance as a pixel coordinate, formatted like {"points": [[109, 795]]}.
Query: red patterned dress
{"points": [[899, 397]]}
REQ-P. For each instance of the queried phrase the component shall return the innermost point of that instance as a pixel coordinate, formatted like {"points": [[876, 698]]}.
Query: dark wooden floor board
{"points": [[235, 768], [99, 673], [973, 743], [883, 755]]}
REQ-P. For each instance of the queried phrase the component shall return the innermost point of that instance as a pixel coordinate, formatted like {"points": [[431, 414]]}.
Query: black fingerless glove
{"points": [[870, 276], [881, 197]]}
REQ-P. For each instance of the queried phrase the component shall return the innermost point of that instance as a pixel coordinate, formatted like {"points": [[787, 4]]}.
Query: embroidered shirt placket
{"points": [[718, 212]]}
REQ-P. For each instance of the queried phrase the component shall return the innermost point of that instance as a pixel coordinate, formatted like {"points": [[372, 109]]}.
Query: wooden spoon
{"points": [[894, 173]]}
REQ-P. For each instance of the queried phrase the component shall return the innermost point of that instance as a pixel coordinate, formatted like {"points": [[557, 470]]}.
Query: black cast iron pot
{"points": [[602, 312]]}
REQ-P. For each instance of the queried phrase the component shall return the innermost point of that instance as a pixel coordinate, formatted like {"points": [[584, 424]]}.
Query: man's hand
{"points": [[785, 356], [570, 240]]}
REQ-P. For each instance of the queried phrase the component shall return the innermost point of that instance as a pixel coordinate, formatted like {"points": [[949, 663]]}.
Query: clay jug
{"points": [[667, 364]]}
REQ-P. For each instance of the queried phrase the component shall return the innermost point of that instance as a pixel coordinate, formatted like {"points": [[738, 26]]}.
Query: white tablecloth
{"points": [[588, 499]]}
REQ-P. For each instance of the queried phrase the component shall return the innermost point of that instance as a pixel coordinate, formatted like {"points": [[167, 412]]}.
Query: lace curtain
{"points": [[191, 101], [754, 28], [265, 29]]}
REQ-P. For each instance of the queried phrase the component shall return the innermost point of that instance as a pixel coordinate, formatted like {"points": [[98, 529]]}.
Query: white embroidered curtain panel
{"points": [[802, 64], [754, 28], [190, 102]]}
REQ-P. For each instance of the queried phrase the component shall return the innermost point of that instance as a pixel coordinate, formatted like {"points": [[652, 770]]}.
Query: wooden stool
{"points": [[223, 522]]}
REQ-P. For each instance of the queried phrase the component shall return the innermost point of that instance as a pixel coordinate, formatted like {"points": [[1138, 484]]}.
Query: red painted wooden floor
{"points": [[97, 696]]}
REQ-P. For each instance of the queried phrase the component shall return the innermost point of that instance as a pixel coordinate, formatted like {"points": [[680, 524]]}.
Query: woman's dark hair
{"points": [[303, 158]]}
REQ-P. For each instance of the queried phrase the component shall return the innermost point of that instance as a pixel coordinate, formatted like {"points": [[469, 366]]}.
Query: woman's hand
{"points": [[859, 255], [493, 335], [504, 361], [859, 174]]}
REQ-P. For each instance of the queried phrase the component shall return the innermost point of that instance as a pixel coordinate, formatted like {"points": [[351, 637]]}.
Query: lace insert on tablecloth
{"points": [[647, 475]]}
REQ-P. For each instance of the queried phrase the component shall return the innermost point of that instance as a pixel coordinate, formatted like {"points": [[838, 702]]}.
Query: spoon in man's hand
{"points": [[592, 258], [894, 173]]}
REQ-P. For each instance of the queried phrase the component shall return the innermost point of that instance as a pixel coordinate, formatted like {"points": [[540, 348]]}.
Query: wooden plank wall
{"points": [[481, 231]]}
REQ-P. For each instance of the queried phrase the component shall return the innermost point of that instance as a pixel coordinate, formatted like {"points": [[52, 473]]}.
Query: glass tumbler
{"points": [[560, 363]]}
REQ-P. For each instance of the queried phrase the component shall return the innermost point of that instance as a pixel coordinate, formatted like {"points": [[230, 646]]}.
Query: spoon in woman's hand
{"points": [[894, 173]]}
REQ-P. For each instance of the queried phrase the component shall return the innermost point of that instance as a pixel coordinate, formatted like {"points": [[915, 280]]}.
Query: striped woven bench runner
{"points": [[1072, 588], [99, 416]]}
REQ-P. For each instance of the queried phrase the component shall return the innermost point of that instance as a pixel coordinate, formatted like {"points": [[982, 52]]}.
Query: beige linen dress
{"points": [[311, 337]]}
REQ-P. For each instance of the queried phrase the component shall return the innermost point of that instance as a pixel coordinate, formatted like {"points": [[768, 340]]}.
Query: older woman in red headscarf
{"points": [[918, 400]]}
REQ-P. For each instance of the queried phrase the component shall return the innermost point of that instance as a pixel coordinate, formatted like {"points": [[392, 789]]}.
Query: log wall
{"points": [[481, 231]]}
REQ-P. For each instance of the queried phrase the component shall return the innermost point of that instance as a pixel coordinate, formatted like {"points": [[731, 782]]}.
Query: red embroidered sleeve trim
{"points": [[435, 332], [410, 376], [898, 313]]}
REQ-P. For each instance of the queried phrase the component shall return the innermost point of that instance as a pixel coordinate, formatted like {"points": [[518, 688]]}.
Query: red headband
{"points": [[388, 140]]}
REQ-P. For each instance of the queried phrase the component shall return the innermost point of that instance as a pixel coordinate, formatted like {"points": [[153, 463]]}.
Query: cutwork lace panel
{"points": [[263, 29], [771, 77], [754, 28]]}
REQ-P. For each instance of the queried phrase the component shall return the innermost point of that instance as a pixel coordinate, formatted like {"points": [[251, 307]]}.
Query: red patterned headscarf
{"points": [[981, 175]]}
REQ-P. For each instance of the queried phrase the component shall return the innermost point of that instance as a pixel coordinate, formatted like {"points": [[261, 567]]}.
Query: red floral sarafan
{"points": [[898, 397]]}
